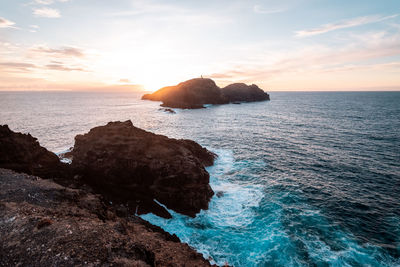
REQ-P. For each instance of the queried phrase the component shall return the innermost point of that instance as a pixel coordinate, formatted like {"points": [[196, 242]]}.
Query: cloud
{"points": [[66, 51], [261, 10], [44, 2], [343, 24], [16, 66], [28, 67], [61, 67], [5, 23], [46, 12], [362, 54]]}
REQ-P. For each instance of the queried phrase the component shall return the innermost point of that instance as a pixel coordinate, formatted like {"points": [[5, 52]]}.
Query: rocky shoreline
{"points": [[43, 223], [196, 93], [85, 212]]}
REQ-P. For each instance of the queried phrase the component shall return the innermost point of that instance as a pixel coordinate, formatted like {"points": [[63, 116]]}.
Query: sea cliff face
{"points": [[195, 93]]}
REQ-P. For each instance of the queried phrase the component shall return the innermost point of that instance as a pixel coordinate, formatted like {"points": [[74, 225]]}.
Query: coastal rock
{"points": [[130, 164], [240, 92], [45, 224], [23, 153], [190, 94], [195, 93]]}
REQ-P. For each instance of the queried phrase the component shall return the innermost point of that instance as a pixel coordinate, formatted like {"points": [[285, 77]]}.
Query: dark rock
{"points": [[169, 110], [195, 93], [220, 194], [190, 94], [45, 224], [23, 153], [129, 164], [241, 92]]}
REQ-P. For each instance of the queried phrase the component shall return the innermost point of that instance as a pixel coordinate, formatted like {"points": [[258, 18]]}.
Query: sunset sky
{"points": [[145, 44]]}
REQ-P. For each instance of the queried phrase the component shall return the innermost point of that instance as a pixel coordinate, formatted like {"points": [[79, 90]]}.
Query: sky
{"points": [[147, 44]]}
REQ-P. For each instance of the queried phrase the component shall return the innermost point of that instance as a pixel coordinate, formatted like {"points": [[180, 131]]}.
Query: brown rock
{"points": [[195, 93], [190, 94], [129, 164], [23, 153], [75, 231], [237, 92]]}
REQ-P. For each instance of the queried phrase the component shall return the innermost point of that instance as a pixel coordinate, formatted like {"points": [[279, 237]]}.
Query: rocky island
{"points": [[195, 93], [86, 212]]}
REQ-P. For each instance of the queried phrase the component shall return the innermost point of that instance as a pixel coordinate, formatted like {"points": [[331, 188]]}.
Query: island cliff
{"points": [[195, 93], [85, 212]]}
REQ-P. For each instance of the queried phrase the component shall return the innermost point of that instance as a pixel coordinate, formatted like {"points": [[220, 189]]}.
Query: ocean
{"points": [[306, 179]]}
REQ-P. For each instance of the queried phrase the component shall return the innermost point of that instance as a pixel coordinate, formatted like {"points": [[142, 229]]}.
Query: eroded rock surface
{"points": [[45, 224], [130, 164], [195, 93]]}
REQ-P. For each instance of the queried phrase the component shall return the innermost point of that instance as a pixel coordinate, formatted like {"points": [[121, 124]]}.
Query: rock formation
{"points": [[45, 224], [189, 94], [195, 93], [240, 92], [23, 153], [130, 164]]}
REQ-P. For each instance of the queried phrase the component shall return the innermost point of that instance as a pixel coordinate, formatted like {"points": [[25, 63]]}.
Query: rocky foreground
{"points": [[195, 93], [85, 211], [45, 224]]}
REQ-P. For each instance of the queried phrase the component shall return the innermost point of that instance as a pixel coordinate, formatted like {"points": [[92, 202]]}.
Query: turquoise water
{"points": [[307, 179]]}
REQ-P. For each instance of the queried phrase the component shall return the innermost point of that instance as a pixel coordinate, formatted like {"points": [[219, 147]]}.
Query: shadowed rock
{"points": [[190, 94], [23, 153], [130, 164], [240, 92], [195, 93]]}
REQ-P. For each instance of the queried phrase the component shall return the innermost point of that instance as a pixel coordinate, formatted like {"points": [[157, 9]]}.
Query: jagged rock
{"points": [[23, 153], [45, 224], [237, 92], [130, 164], [195, 93]]}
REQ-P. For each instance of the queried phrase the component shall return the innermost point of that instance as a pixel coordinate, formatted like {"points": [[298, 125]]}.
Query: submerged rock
{"points": [[169, 110], [195, 93], [130, 164], [23, 153], [45, 224]]}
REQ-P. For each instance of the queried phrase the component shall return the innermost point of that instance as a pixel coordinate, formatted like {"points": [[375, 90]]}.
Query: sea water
{"points": [[306, 179]]}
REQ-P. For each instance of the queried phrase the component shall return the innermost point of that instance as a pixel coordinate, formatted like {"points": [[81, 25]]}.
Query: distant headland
{"points": [[195, 93]]}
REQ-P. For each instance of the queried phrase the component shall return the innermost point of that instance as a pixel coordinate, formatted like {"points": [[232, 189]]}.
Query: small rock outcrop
{"points": [[195, 93], [45, 224], [130, 164], [240, 92], [23, 153]]}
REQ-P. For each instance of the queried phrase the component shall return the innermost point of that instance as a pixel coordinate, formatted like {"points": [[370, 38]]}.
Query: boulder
{"points": [[23, 153], [135, 166], [240, 92]]}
